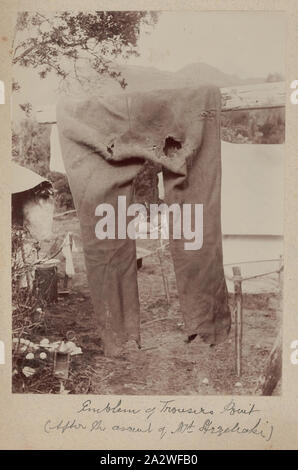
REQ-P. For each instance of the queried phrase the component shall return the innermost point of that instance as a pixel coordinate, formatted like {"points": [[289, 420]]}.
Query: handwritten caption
{"points": [[116, 417]]}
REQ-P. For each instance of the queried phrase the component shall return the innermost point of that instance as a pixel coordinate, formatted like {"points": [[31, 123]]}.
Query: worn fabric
{"points": [[104, 143]]}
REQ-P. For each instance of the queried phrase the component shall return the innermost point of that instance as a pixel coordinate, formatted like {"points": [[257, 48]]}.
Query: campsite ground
{"points": [[166, 365]]}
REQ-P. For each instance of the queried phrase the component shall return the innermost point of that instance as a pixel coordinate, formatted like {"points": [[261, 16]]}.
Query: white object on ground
{"points": [[30, 356], [28, 371]]}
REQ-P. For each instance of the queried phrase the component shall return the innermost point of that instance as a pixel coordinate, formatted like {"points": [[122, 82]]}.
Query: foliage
{"points": [[63, 197], [57, 41], [274, 77], [145, 184], [31, 146], [33, 358], [257, 127]]}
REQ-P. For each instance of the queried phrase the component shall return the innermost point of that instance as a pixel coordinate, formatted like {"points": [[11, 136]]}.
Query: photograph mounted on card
{"points": [[147, 202]]}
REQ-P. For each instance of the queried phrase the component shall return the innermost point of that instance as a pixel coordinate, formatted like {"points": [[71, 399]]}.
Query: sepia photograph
{"points": [[147, 202]]}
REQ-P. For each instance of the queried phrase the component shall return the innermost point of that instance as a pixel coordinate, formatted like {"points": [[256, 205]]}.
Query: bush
{"points": [[63, 197], [31, 146], [264, 126]]}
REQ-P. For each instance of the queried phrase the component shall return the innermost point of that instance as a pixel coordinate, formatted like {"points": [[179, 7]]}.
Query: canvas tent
{"points": [[252, 211]]}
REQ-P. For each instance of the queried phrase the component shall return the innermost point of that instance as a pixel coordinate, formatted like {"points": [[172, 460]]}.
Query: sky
{"points": [[247, 44]]}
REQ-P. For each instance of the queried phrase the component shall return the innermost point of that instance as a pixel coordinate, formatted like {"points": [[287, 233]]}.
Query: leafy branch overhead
{"points": [[55, 42]]}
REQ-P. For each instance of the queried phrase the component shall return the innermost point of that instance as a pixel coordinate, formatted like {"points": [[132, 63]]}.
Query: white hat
{"points": [[24, 179]]}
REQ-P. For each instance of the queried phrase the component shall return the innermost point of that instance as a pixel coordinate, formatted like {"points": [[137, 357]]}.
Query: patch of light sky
{"points": [[247, 44]]}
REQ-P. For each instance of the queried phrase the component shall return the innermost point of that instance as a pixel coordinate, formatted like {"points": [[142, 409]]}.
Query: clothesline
{"points": [[277, 271], [230, 278]]}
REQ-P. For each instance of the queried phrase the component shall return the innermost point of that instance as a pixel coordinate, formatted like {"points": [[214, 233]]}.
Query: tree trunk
{"points": [[269, 380]]}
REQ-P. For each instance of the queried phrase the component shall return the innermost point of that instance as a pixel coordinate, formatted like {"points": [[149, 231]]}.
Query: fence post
{"points": [[237, 279], [164, 277]]}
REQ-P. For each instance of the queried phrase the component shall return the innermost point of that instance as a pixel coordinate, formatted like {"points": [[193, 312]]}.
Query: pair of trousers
{"points": [[104, 144]]}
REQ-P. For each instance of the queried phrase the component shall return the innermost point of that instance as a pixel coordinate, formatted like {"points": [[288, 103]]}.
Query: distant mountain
{"points": [[204, 73], [148, 78], [139, 78]]}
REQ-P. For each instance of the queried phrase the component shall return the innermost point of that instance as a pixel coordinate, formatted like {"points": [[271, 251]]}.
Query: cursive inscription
{"points": [[165, 418]]}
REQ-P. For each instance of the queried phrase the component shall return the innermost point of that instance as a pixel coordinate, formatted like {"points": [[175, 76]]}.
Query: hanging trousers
{"points": [[104, 144]]}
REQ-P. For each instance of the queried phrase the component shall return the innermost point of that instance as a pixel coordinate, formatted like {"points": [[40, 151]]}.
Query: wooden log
{"points": [[268, 381], [237, 279], [264, 95], [247, 97]]}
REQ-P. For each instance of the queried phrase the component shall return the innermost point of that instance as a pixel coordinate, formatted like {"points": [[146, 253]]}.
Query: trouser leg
{"points": [[110, 263], [199, 273]]}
